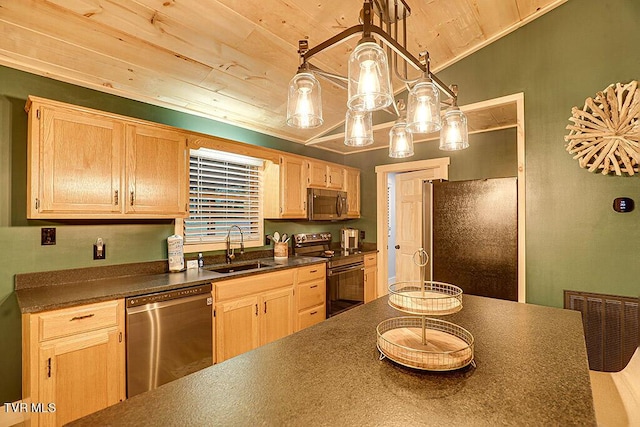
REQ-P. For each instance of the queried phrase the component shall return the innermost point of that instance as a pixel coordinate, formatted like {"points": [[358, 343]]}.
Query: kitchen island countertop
{"points": [[531, 370]]}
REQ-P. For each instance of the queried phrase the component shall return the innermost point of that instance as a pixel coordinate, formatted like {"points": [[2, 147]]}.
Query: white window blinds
{"points": [[224, 190]]}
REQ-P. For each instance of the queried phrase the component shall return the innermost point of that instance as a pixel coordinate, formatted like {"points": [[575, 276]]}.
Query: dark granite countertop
{"points": [[82, 286], [531, 370]]}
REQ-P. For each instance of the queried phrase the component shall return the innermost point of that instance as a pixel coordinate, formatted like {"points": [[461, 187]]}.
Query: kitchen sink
{"points": [[239, 267]]}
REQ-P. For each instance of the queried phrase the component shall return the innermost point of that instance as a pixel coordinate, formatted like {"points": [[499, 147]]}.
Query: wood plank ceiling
{"points": [[231, 60]]}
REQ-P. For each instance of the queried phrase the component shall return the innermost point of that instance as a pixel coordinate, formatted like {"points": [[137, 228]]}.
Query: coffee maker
{"points": [[349, 239]]}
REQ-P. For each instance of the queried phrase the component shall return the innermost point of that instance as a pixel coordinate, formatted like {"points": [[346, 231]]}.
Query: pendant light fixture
{"points": [[358, 129], [400, 140], [369, 81], [455, 134], [423, 109], [369, 84], [400, 136], [304, 102]]}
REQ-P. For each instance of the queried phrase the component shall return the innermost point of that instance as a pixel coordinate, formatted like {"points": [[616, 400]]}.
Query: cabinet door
{"points": [[352, 186], [156, 171], [335, 177], [236, 327], [370, 276], [80, 374], [294, 190], [79, 160], [369, 284], [277, 315], [316, 174]]}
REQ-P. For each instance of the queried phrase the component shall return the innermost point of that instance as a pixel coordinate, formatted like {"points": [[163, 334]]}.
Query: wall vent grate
{"points": [[610, 327]]}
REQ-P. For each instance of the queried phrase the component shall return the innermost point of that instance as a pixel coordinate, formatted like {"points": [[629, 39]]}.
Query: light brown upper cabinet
{"points": [[156, 171], [84, 163], [324, 175], [352, 187], [335, 177], [316, 174], [285, 188]]}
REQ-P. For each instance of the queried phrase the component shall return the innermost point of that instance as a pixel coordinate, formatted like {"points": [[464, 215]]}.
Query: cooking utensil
{"points": [[284, 237], [276, 237]]}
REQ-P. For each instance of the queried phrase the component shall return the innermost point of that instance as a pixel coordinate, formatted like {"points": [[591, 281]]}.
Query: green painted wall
{"points": [[574, 240]]}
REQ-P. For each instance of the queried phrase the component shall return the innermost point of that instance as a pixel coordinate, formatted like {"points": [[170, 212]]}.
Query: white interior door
{"points": [[408, 238]]}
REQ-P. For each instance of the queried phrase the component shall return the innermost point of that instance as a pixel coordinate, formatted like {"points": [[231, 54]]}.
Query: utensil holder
{"points": [[280, 252]]}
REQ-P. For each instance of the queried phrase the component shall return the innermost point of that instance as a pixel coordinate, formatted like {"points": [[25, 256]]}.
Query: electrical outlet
{"points": [[47, 236], [362, 235]]}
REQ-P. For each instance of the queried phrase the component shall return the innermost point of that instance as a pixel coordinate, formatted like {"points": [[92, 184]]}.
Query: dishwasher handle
{"points": [[160, 297], [169, 303]]}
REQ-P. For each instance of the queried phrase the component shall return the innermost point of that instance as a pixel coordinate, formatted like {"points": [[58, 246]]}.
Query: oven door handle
{"points": [[336, 271]]}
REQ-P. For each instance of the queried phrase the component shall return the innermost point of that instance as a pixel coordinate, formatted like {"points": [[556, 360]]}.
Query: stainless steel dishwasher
{"points": [[169, 335]]}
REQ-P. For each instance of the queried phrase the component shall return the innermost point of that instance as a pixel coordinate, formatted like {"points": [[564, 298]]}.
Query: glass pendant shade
{"points": [[423, 107], [369, 79], [454, 135], [400, 140], [358, 130], [304, 102]]}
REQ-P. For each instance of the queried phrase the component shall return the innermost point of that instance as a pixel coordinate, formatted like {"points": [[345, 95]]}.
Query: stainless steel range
{"points": [[345, 271]]}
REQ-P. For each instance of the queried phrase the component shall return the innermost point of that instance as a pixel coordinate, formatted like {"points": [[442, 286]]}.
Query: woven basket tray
{"points": [[426, 298], [446, 347]]}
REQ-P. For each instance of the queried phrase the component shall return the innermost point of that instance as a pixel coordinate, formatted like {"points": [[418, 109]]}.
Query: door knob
{"points": [[397, 246]]}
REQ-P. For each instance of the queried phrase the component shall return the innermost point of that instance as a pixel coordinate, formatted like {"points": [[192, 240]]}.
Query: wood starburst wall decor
{"points": [[605, 134]]}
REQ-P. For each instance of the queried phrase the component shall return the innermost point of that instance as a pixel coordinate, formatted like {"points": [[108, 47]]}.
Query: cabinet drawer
{"points": [[312, 272], [311, 316], [370, 260], [69, 321], [311, 294]]}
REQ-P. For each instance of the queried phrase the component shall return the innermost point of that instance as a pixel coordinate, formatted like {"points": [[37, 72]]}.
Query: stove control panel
{"points": [[312, 238]]}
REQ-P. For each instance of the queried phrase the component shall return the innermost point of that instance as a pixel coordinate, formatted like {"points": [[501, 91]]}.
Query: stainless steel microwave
{"points": [[326, 205]]}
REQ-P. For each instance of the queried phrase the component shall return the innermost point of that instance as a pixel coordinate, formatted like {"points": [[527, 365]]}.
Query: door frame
{"points": [[441, 171]]}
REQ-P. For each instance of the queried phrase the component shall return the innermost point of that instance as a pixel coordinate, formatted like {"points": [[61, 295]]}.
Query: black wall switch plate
{"points": [[47, 236]]}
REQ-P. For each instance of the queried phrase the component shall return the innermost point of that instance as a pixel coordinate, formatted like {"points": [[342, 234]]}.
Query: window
{"points": [[225, 189]]}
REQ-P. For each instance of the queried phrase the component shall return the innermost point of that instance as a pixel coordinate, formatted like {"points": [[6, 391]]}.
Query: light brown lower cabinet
{"points": [[370, 276], [74, 359], [73, 362], [252, 311]]}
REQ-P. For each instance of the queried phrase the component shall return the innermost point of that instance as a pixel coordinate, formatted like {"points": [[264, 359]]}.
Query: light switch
{"points": [[99, 249]]}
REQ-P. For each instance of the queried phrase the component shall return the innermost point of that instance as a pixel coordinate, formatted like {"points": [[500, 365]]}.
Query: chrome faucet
{"points": [[230, 255]]}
